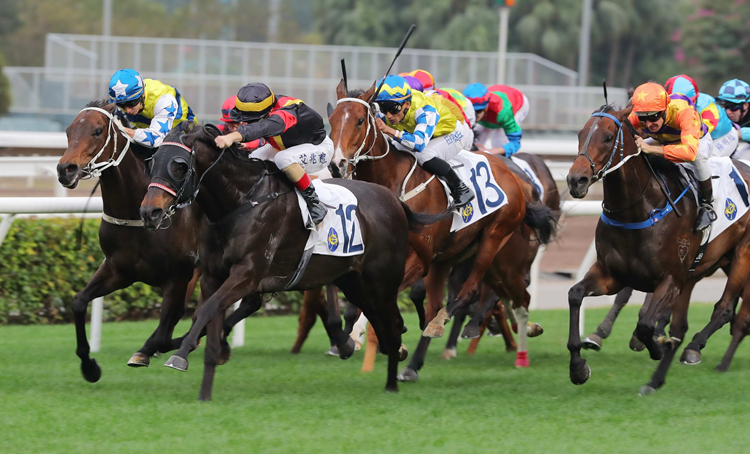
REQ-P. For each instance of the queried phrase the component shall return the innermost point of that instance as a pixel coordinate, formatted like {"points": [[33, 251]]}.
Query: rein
{"points": [[619, 144]]}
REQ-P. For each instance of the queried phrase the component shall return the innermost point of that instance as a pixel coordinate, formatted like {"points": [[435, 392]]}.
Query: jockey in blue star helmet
{"points": [[152, 106], [426, 127]]}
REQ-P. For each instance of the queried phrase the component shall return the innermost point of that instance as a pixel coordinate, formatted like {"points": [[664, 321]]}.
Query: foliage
{"points": [[5, 95], [268, 401], [42, 270]]}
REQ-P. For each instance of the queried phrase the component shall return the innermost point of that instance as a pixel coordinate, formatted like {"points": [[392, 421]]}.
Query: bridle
{"points": [[361, 155], [619, 144], [95, 169]]}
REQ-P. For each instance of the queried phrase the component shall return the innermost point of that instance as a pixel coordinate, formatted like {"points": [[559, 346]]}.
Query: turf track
{"points": [[266, 400]]}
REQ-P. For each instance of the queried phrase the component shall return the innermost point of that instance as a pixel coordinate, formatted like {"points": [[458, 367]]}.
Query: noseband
{"points": [[619, 144], [95, 169], [359, 155]]}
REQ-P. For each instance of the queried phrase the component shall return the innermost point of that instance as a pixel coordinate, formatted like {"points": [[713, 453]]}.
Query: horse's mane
{"points": [[111, 107], [355, 93]]}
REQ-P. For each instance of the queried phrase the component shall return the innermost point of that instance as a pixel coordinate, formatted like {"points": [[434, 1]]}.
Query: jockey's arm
{"points": [[507, 121], [161, 124], [745, 134], [710, 117], [273, 125], [689, 124], [427, 119]]}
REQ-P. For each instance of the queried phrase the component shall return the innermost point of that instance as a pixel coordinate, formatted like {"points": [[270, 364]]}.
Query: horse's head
{"points": [[353, 129], [92, 138], [599, 141]]}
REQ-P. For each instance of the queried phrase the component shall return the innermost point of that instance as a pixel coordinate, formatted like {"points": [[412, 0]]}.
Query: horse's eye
{"points": [[609, 138], [179, 169], [360, 121], [98, 132]]}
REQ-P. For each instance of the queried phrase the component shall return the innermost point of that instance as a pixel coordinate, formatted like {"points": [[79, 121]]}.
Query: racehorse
{"points": [[434, 251], [256, 237], [97, 146], [315, 305], [655, 259]]}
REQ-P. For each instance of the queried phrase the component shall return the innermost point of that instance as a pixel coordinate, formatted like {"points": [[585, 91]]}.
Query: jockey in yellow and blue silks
{"points": [[152, 106], [494, 111], [427, 127], [723, 133]]}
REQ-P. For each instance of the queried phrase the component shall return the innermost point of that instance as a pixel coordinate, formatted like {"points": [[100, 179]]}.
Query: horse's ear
{"points": [[341, 90], [623, 113], [368, 94]]}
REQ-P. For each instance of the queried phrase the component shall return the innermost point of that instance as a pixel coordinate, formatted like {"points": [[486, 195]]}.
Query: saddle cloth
{"points": [[339, 234], [526, 167], [730, 194], [475, 171]]}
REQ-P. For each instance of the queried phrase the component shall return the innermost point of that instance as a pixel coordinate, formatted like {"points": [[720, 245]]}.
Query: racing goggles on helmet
{"points": [[729, 105], [651, 117], [129, 104], [392, 107]]}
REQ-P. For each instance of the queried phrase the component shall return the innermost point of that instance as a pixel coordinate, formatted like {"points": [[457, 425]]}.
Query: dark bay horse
{"points": [[162, 258], [435, 250], [256, 236], [655, 259]]}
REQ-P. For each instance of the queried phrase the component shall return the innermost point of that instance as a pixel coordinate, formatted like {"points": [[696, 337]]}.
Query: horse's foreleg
{"points": [[249, 305], [105, 281], [450, 346], [343, 342], [350, 317], [724, 309], [595, 340], [500, 314], [211, 356], [486, 302], [482, 328], [307, 317], [740, 327], [596, 282]]}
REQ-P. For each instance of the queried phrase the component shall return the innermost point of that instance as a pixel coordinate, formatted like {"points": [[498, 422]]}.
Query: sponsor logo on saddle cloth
{"points": [[474, 170], [339, 234], [730, 194]]}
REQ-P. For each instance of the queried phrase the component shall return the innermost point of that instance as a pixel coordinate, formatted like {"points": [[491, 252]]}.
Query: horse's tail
{"points": [[541, 220], [418, 221]]}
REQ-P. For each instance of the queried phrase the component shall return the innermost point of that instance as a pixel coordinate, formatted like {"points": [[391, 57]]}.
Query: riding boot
{"points": [[314, 205], [706, 213], [460, 193]]}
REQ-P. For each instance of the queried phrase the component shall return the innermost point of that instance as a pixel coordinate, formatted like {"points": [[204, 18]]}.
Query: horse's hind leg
{"points": [[740, 327], [595, 340], [450, 346], [482, 328], [724, 309], [307, 317], [486, 301], [249, 305], [105, 281], [344, 344], [172, 310]]}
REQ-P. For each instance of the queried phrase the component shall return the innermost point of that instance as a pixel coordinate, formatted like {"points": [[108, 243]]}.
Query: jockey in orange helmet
{"points": [[677, 133]]}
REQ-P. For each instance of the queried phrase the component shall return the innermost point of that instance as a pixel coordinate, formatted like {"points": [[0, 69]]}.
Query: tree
{"points": [[5, 97]]}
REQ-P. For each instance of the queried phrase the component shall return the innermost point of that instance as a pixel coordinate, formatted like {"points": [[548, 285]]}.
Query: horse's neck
{"points": [[625, 190], [124, 187], [391, 170], [226, 187]]}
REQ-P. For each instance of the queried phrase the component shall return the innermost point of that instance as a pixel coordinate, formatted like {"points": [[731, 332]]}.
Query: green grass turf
{"points": [[266, 400]]}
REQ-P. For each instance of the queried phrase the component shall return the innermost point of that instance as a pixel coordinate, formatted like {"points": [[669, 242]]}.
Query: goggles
{"points": [[651, 117], [129, 104], [733, 106], [391, 107]]}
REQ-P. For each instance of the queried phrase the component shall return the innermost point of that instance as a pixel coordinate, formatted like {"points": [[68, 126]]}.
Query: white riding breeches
{"points": [[447, 146], [726, 144], [312, 158], [700, 164], [523, 112], [743, 151]]}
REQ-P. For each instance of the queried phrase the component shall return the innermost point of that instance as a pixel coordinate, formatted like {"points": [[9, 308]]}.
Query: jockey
{"points": [[463, 102], [733, 97], [230, 125], [723, 133], [674, 122], [153, 107], [496, 121], [426, 126], [295, 135], [421, 80]]}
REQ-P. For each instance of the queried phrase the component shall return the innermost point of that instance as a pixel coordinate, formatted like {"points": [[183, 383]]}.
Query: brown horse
{"points": [[654, 259], [163, 258], [434, 251], [256, 236]]}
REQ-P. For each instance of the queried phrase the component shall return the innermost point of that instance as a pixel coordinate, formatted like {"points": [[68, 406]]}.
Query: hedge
{"points": [[41, 270]]}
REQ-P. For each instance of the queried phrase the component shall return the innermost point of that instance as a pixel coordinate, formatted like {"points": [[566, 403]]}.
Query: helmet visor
{"points": [[391, 107]]}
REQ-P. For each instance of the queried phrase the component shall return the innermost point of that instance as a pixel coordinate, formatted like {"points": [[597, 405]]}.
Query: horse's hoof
{"points": [[347, 350], [449, 353], [534, 329], [470, 332], [357, 345], [690, 357], [139, 360], [391, 390], [592, 342], [175, 362], [91, 371], [408, 375], [636, 345], [646, 390], [581, 376], [333, 351], [225, 355], [403, 353], [522, 359], [434, 330]]}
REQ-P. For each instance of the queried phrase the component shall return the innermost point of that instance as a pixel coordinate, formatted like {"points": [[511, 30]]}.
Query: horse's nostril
{"points": [[342, 162], [583, 181]]}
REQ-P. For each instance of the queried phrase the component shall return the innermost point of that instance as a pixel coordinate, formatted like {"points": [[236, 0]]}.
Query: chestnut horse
{"points": [[432, 253], [256, 237], [654, 259]]}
